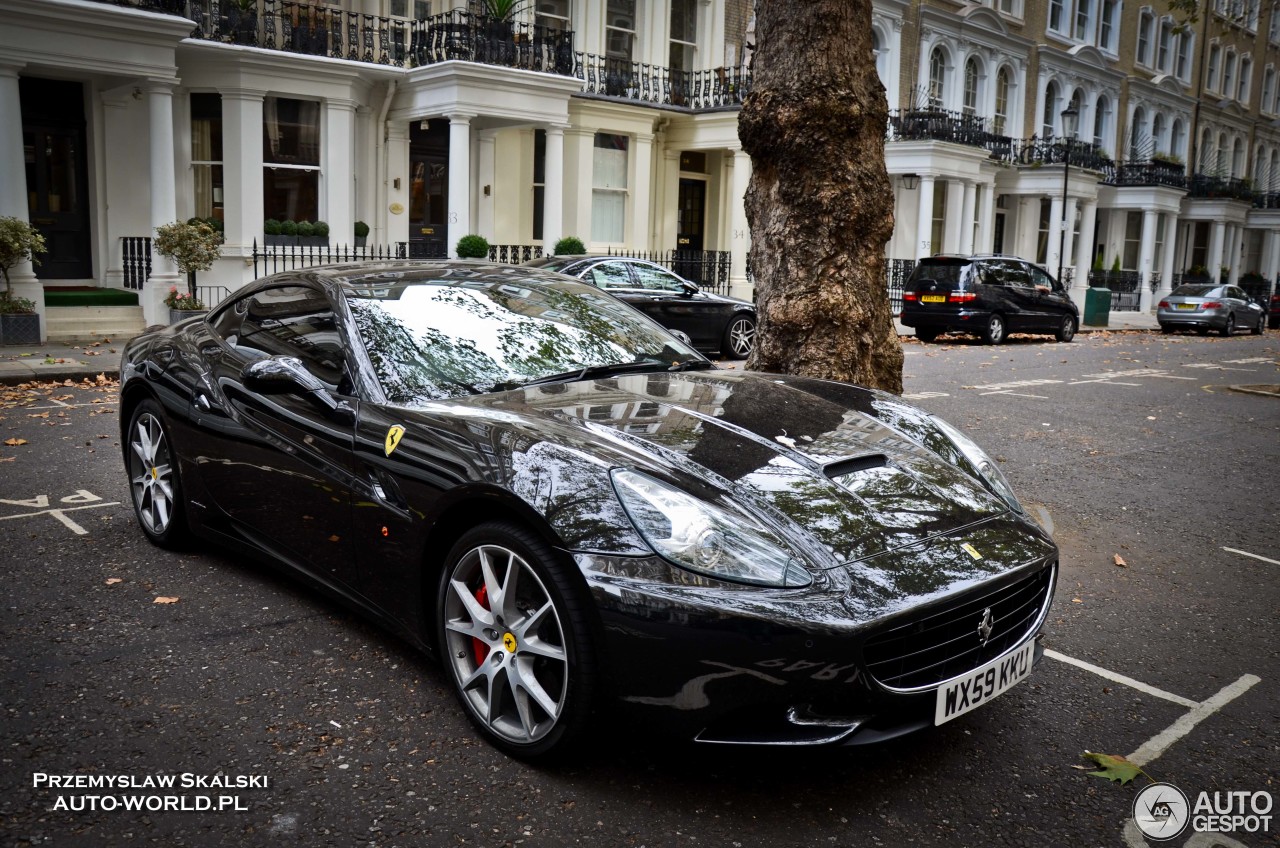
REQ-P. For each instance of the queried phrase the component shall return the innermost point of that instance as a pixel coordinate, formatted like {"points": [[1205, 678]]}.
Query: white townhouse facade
{"points": [[1103, 138]]}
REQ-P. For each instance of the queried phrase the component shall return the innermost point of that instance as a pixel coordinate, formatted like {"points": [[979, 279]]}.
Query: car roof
{"points": [[349, 276]]}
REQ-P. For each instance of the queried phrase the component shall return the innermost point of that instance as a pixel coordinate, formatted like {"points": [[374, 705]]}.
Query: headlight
{"points": [[704, 538], [981, 463]]}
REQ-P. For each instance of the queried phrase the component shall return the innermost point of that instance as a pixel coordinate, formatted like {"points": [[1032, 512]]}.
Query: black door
{"points": [[429, 191], [53, 140], [691, 215], [287, 470]]}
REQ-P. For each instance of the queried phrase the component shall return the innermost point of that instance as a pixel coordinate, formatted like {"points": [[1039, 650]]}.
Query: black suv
{"points": [[987, 295]]}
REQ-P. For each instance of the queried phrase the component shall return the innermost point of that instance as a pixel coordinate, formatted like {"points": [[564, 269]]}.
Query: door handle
{"points": [[202, 402]]}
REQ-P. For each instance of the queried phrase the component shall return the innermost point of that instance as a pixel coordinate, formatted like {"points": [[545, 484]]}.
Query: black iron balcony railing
{"points": [[607, 76], [1036, 152], [460, 35], [1153, 173], [1205, 186], [938, 125], [1266, 199]]}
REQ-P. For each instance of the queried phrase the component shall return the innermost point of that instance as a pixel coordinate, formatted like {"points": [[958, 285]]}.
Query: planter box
{"points": [[176, 315], [280, 241], [313, 241], [20, 329]]}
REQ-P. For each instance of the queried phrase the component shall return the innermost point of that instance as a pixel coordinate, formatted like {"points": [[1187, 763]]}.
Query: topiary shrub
{"points": [[473, 247], [288, 228], [306, 229], [321, 229], [362, 229], [569, 246], [271, 227]]}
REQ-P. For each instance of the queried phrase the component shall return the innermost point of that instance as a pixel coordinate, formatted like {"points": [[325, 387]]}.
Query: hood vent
{"points": [[844, 467]]}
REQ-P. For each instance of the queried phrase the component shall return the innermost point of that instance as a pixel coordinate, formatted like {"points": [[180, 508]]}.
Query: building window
{"points": [[684, 34], [1084, 20], [1050, 116], [1268, 90], [1001, 122], [1273, 32], [970, 106], [1102, 122], [291, 159], [1177, 139], [1145, 24], [1164, 46], [1056, 15], [400, 9], [1139, 149], [1108, 26], [1229, 74], [937, 77], [1246, 80], [539, 180], [609, 189], [1182, 68], [552, 14], [1012, 8], [939, 226], [1157, 131], [620, 29], [1214, 66], [1132, 240], [206, 154]]}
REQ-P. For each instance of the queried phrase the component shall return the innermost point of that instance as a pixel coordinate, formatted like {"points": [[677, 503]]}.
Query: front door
{"points": [[690, 218], [429, 189], [53, 140]]}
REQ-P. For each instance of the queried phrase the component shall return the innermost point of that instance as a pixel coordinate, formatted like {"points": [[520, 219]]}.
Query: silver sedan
{"points": [[1203, 307]]}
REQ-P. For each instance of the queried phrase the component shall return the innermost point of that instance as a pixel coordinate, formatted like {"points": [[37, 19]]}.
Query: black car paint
{"points": [[1026, 308], [703, 316], [372, 526]]}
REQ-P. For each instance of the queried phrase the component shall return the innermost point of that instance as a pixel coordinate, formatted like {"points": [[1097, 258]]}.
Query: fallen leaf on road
{"points": [[163, 600], [111, 581], [7, 458], [1120, 561], [1076, 601], [1115, 767], [13, 443]]}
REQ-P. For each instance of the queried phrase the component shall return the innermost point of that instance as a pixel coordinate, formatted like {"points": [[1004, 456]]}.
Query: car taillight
{"points": [[1275, 298], [961, 297], [911, 296], [1213, 304], [1164, 304]]}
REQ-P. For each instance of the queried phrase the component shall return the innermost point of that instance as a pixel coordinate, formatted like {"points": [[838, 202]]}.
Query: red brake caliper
{"points": [[480, 648]]}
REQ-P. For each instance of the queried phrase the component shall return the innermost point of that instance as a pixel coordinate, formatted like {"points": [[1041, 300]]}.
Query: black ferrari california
{"points": [[578, 513]]}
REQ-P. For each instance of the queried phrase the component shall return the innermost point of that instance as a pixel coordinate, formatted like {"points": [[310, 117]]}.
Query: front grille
{"points": [[945, 643]]}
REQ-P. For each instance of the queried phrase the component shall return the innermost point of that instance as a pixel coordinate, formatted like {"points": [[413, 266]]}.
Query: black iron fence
{"points": [[1258, 288], [135, 252], [1202, 185], [273, 259], [708, 89], [938, 125], [708, 268], [1126, 288], [461, 35], [896, 273], [514, 254], [1152, 173], [1036, 152]]}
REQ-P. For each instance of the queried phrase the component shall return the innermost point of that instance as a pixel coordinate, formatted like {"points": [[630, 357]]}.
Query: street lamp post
{"points": [[1069, 117]]}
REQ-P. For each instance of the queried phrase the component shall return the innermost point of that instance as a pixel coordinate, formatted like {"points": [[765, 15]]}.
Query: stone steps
{"points": [[82, 324]]}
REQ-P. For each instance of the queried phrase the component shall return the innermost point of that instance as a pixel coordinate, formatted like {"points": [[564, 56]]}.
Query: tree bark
{"points": [[819, 203]]}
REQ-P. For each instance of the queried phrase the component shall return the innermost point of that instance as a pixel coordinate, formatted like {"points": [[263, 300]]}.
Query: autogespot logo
{"points": [[1161, 811]]}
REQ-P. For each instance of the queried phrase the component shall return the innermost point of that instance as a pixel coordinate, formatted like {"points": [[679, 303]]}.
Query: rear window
{"points": [[1197, 291], [945, 273]]}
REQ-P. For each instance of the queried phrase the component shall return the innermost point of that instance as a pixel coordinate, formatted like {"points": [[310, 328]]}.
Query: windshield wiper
{"points": [[595, 372], [692, 365]]}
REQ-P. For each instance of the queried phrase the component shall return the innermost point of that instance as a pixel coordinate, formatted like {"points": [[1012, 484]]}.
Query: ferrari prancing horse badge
{"points": [[393, 438]]}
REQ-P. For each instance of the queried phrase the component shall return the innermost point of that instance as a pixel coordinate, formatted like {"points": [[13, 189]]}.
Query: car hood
{"points": [[829, 464]]}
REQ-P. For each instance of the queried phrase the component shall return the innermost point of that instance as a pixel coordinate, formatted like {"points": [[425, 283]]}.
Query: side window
{"points": [[1016, 274], [293, 321], [1041, 280], [656, 279], [611, 275], [1238, 294]]}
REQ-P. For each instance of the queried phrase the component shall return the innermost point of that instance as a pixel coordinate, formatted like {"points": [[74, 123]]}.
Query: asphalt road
{"points": [[1131, 444]]}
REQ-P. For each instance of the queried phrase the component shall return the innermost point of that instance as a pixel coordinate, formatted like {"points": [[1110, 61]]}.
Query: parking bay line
{"points": [[60, 515], [1255, 556], [1198, 711]]}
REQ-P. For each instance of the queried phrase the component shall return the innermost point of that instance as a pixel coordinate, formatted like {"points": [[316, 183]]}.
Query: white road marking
{"points": [[1103, 382], [1121, 679], [61, 516], [1253, 360], [1209, 366], [61, 405], [925, 395], [1158, 744], [1016, 384], [1255, 556]]}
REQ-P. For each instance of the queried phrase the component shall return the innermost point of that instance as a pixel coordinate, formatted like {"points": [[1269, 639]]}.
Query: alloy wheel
{"points": [[742, 337], [151, 474], [505, 644]]}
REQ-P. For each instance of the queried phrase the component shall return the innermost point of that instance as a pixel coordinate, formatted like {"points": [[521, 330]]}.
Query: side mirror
{"points": [[689, 288], [281, 375]]}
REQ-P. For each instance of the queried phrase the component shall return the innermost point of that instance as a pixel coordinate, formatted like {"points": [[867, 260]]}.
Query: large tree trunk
{"points": [[819, 204]]}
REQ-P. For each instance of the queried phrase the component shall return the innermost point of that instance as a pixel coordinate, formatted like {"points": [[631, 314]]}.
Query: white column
{"points": [[338, 210], [1170, 251], [163, 204], [579, 147], [739, 235], [1146, 258], [1270, 241], [669, 198], [1084, 248], [486, 223], [1233, 254], [1027, 227], [1217, 248], [459, 179], [985, 242], [1055, 235], [391, 225], [924, 218], [968, 207], [641, 194], [13, 173], [1068, 236], [242, 170], [951, 217], [553, 189]]}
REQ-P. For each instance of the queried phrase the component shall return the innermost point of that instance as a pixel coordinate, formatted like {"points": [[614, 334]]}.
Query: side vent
{"points": [[844, 467]]}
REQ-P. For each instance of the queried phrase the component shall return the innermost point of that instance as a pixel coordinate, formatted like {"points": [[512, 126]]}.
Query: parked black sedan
{"points": [[712, 321], [580, 515]]}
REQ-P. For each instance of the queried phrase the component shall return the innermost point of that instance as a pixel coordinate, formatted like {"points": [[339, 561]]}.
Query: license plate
{"points": [[974, 690], [1186, 306], [933, 298]]}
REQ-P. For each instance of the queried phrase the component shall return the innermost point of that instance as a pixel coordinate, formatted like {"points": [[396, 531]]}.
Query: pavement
{"points": [[58, 361]]}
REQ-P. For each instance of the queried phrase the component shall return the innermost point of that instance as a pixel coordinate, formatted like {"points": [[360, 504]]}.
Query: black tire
{"points": [[1229, 327], [1261, 326], [1166, 329], [154, 483], [994, 331], [739, 337], [542, 634], [1066, 329], [927, 334], [1273, 324]]}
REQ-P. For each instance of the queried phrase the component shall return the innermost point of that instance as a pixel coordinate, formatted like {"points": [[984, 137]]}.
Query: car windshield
{"points": [[438, 339], [1196, 291], [948, 273]]}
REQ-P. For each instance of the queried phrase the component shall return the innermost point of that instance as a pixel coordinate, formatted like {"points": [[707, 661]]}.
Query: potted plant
{"points": [[362, 233], [569, 246], [289, 232], [19, 242], [182, 305], [321, 233], [498, 30], [306, 234], [271, 229], [473, 247], [242, 21], [192, 247]]}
